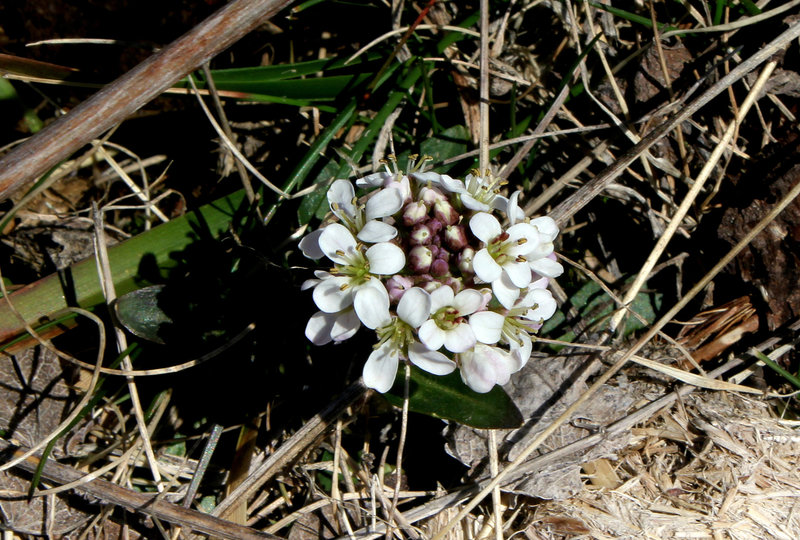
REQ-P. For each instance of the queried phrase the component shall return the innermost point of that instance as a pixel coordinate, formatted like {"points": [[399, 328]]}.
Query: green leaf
{"points": [[139, 312], [447, 397], [449, 143], [595, 307], [148, 254]]}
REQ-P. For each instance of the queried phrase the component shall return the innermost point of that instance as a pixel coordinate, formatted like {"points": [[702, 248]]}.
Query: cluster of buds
{"points": [[426, 264]]}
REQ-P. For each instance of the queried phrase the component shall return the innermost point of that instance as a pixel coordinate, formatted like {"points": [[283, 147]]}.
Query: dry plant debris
{"points": [[654, 152]]}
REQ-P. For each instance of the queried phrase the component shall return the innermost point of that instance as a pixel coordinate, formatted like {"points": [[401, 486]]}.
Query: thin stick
{"points": [[142, 502], [289, 450], [570, 206], [687, 202], [483, 106], [123, 97], [565, 416], [107, 283], [494, 469]]}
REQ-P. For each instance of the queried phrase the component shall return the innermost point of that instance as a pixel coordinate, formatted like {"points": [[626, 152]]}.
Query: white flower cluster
{"points": [[426, 264]]}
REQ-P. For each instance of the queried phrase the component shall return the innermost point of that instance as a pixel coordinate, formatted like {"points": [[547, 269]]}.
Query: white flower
{"points": [[447, 325], [503, 261], [515, 326], [485, 366], [354, 269], [362, 220], [397, 336]]}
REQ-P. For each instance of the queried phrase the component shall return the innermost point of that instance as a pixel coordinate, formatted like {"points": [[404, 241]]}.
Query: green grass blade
{"points": [[130, 262]]}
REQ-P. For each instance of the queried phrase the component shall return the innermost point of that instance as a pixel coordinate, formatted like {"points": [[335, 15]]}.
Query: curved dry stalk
{"points": [[736, 24], [694, 191], [76, 411], [229, 144], [120, 99], [405, 29]]}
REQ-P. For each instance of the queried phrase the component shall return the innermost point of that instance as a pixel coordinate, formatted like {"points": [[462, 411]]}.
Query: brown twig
{"points": [[127, 94], [290, 450], [141, 502], [569, 207]]}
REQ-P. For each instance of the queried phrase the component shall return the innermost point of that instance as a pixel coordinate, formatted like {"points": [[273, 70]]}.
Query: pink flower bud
{"points": [[440, 268], [420, 259], [414, 212], [397, 286], [421, 235], [455, 237], [434, 225], [431, 195], [445, 212]]}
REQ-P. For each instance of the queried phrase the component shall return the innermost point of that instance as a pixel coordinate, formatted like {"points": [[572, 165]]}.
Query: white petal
{"points": [[441, 297], [512, 209], [374, 180], [318, 328], [542, 250], [485, 227], [381, 367], [384, 203], [385, 259], [346, 325], [340, 198], [547, 227], [505, 291], [468, 301], [459, 339], [545, 305], [376, 231], [307, 284], [519, 273], [431, 335], [477, 375], [500, 361], [485, 267], [372, 307], [474, 204], [430, 361], [336, 240], [330, 297], [523, 238], [309, 245], [520, 354], [547, 267], [414, 307], [487, 326]]}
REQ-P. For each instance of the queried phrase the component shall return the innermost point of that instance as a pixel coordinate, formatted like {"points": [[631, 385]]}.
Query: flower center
{"points": [[447, 318], [356, 267]]}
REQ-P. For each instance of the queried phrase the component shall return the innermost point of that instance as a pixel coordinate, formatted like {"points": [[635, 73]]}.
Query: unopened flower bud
{"points": [[434, 225], [431, 195], [465, 260], [445, 212], [414, 212], [421, 235], [420, 259], [397, 285], [455, 237], [440, 268]]}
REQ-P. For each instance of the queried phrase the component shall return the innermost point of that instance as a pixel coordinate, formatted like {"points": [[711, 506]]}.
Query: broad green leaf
{"points": [[447, 397], [139, 312], [449, 143]]}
